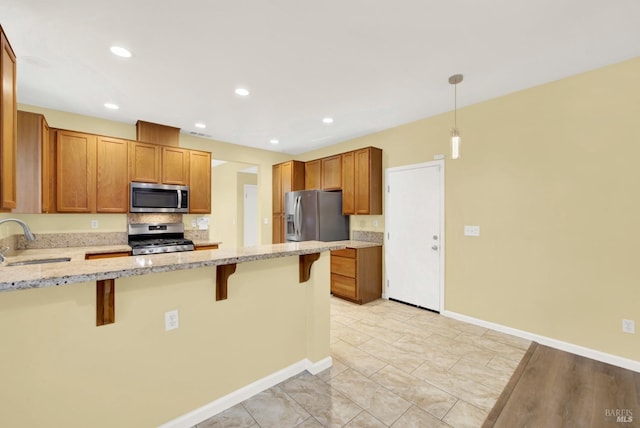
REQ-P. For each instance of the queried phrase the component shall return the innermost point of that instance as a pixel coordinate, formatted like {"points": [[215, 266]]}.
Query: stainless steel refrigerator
{"points": [[315, 215]]}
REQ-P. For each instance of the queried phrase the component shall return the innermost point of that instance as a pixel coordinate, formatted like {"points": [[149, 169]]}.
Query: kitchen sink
{"points": [[40, 261]]}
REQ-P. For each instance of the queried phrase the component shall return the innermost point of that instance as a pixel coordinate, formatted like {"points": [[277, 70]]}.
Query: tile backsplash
{"points": [[368, 236]]}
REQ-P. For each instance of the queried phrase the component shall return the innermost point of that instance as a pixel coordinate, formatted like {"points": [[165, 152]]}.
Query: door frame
{"points": [[440, 163], [244, 213]]}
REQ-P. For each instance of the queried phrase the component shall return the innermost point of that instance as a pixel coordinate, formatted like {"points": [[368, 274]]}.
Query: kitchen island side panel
{"points": [[60, 370]]}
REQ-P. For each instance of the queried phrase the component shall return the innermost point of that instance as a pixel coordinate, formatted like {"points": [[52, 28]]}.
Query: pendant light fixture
{"points": [[455, 134]]}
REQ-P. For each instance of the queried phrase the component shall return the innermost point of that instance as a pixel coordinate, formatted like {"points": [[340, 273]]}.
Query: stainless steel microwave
{"points": [[158, 198]]}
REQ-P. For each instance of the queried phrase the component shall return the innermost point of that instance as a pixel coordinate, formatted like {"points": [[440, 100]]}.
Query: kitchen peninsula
{"points": [[135, 373]]}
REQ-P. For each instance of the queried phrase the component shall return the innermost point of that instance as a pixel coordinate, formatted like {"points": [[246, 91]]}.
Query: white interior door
{"points": [[250, 215], [414, 225]]}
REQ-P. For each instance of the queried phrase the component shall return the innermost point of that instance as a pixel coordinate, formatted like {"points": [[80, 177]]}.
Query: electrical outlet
{"points": [[472, 231], [171, 321], [193, 223], [629, 326], [375, 223], [94, 224]]}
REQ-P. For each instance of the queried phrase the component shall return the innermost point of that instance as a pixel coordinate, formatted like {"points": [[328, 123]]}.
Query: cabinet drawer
{"points": [[347, 252], [343, 266], [343, 286]]}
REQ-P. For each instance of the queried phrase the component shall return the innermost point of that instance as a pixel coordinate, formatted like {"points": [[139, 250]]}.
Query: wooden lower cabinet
{"points": [[96, 256], [356, 274], [206, 247]]}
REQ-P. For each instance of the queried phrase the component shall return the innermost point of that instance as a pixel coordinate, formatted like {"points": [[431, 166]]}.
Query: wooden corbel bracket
{"points": [[223, 272], [105, 302], [306, 260]]}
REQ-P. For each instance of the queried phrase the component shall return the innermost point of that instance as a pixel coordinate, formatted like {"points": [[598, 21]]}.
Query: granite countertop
{"points": [[80, 270], [358, 244], [204, 243]]}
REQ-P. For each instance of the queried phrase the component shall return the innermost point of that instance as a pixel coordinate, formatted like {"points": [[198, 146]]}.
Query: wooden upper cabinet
{"points": [[112, 182], [287, 177], [199, 182], [155, 133], [368, 181], [276, 191], [313, 175], [348, 183], [362, 181], [175, 166], [292, 178], [8, 125], [32, 181], [332, 173], [75, 171], [144, 162]]}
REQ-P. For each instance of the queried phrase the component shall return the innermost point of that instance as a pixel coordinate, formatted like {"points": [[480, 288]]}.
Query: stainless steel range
{"points": [[155, 238]]}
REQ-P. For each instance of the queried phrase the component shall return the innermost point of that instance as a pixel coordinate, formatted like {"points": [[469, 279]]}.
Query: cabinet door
{"points": [[8, 123], [332, 173], [362, 181], [112, 185], [144, 162], [287, 174], [348, 183], [75, 172], [312, 175], [48, 181], [344, 287], [29, 162], [199, 182], [175, 166], [276, 190], [278, 229]]}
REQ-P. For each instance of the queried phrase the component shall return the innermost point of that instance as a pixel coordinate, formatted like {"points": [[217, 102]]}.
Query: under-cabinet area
{"points": [[356, 273]]}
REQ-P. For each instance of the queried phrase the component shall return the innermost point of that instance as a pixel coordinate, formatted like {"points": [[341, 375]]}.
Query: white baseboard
{"points": [[238, 396], [552, 343]]}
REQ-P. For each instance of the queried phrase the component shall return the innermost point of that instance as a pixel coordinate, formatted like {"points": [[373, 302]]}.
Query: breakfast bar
{"points": [[273, 324]]}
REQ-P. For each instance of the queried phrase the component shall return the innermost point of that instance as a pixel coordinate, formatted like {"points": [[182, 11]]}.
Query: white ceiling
{"points": [[369, 64]]}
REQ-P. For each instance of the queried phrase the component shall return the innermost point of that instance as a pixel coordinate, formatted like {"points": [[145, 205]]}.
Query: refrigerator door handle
{"points": [[296, 218]]}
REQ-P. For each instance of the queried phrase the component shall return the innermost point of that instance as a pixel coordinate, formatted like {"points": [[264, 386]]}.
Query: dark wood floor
{"points": [[552, 388]]}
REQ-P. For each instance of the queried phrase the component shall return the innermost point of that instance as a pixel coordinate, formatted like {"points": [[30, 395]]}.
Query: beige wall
{"points": [[59, 370], [551, 176], [227, 214]]}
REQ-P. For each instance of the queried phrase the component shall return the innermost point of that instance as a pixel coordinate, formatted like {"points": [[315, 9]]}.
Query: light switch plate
{"points": [[171, 320], [629, 326], [471, 230]]}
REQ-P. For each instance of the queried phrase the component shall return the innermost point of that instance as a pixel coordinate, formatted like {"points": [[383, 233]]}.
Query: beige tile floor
{"points": [[393, 366]]}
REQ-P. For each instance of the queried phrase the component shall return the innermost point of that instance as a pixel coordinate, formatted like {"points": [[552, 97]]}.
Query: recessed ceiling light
{"points": [[243, 92], [120, 51], [274, 141], [327, 120], [200, 125], [111, 106]]}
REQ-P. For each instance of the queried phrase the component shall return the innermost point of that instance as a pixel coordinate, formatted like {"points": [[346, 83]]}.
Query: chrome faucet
{"points": [[27, 234]]}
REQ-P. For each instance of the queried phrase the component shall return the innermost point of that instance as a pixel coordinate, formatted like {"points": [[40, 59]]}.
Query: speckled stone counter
{"points": [[358, 244], [80, 270]]}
